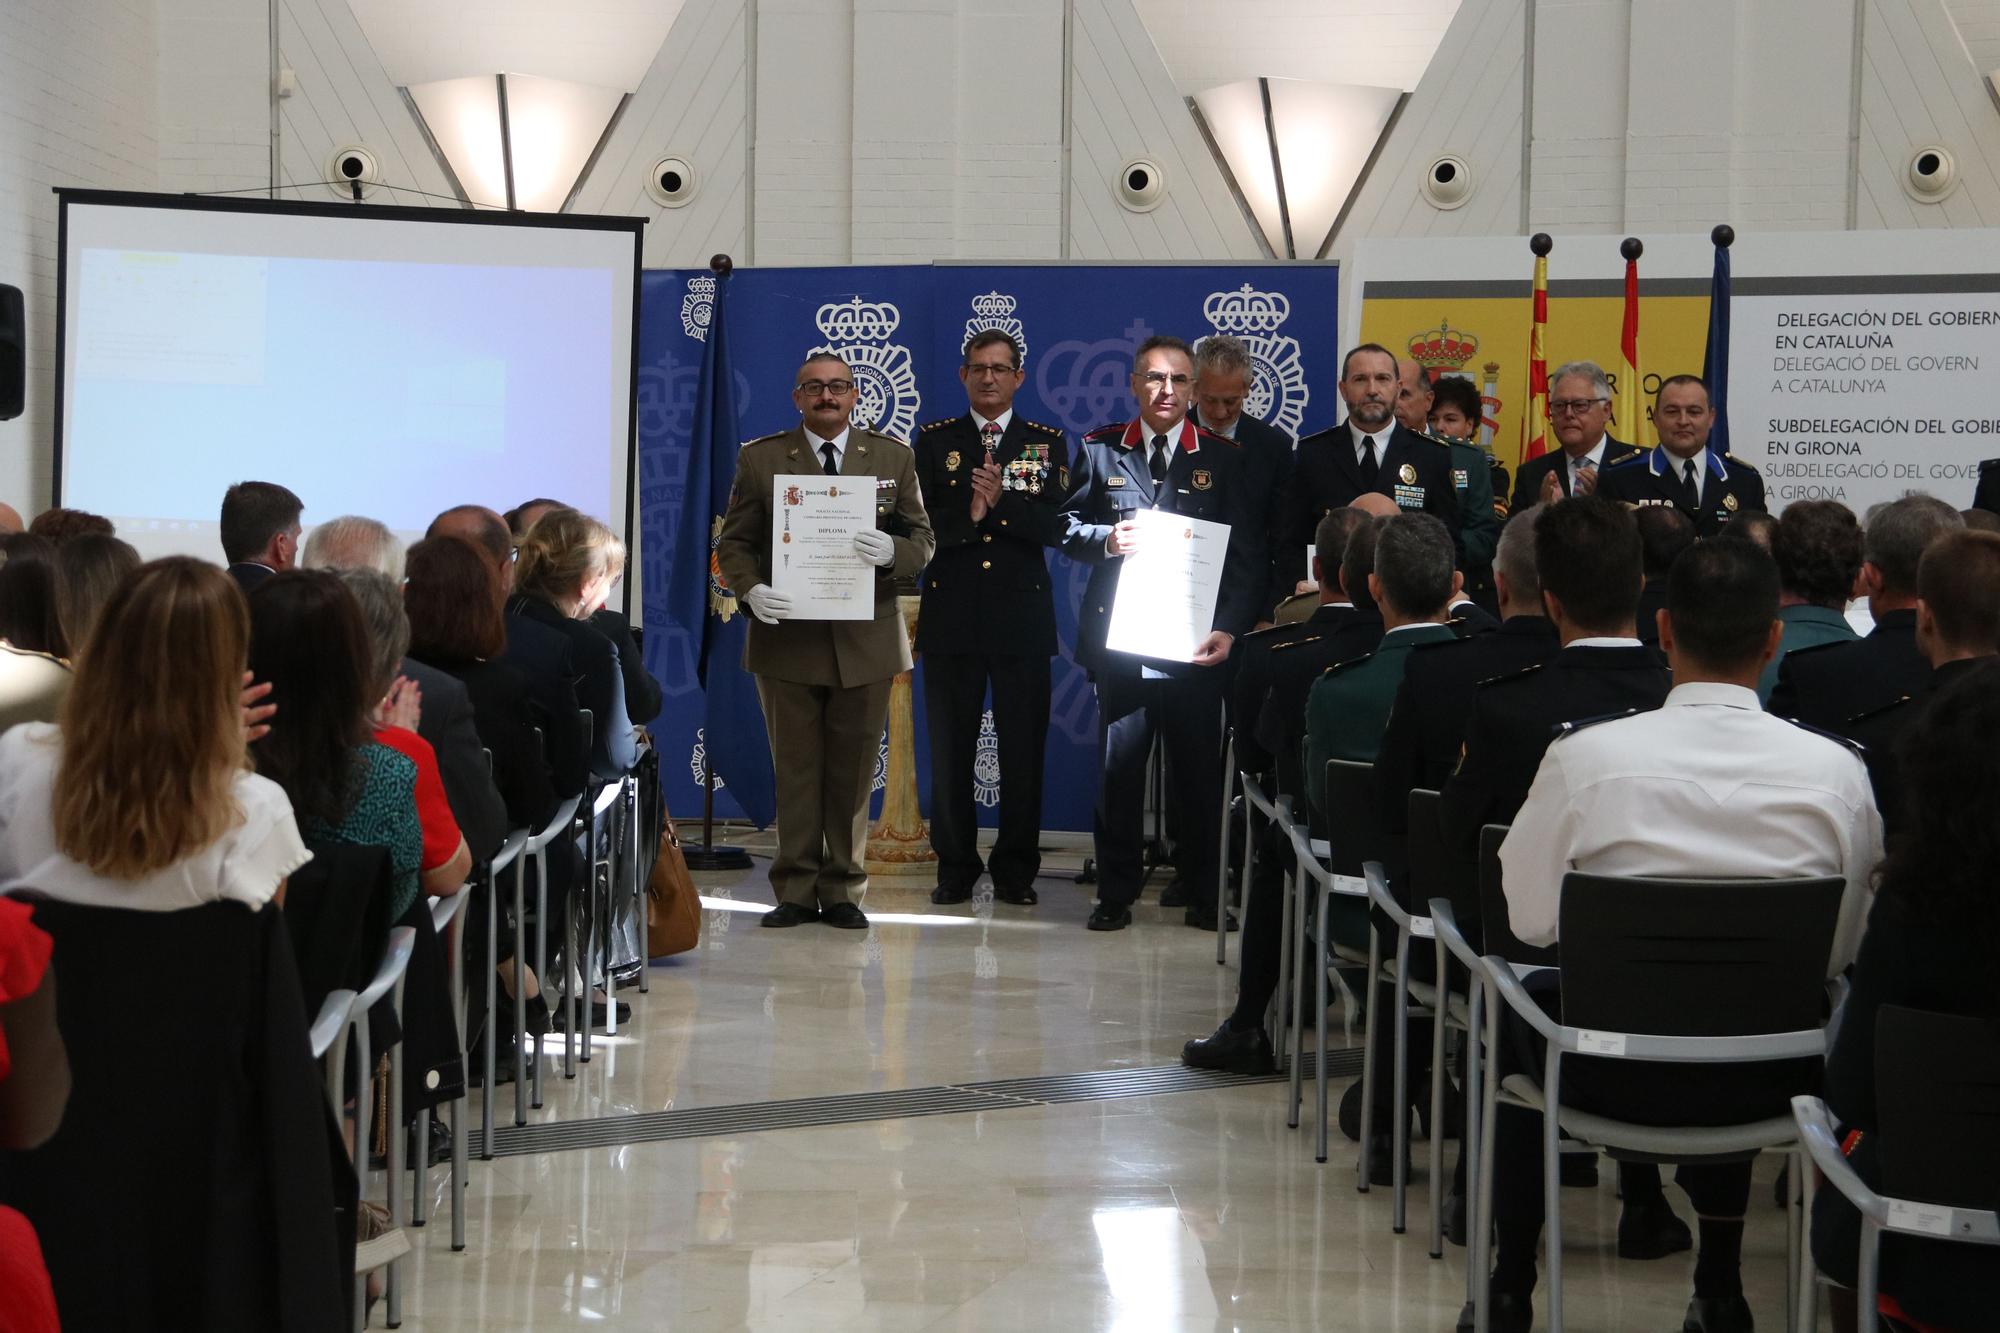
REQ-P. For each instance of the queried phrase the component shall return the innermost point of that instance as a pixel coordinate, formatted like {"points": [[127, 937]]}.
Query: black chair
{"points": [[198, 1179], [1688, 981], [1937, 1110]]}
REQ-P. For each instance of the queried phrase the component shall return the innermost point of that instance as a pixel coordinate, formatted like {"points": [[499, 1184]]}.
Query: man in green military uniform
{"points": [[1471, 478], [1413, 584]]}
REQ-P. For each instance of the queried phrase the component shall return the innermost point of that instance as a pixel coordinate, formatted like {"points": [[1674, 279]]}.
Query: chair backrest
{"points": [[1695, 957], [337, 913], [197, 1146], [1353, 819], [1496, 932], [1437, 870], [1937, 1105]]}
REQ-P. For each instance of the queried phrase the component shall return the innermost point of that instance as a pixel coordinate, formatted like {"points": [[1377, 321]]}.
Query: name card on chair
{"points": [[1934, 1219], [1600, 1043]]}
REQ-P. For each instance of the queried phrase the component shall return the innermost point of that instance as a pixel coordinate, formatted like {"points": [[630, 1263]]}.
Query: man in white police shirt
{"points": [[1159, 460], [1708, 487]]}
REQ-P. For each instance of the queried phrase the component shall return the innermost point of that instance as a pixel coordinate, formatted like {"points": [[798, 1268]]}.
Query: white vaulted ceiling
{"points": [[602, 43]]}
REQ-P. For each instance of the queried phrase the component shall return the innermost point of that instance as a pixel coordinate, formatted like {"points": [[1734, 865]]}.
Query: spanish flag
{"points": [[1535, 426], [1628, 414]]}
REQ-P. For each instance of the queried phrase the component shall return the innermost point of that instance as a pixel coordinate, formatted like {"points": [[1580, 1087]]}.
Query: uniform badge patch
{"points": [[1114, 482], [1201, 479], [1729, 502], [1409, 497], [951, 461], [1408, 474]]}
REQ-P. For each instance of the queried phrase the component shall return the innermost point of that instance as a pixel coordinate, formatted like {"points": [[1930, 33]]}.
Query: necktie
{"points": [[832, 468], [1690, 498], [1370, 465], [1159, 460], [989, 435], [1584, 467]]}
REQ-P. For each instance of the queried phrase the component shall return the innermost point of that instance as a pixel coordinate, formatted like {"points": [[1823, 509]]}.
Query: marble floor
{"points": [[1190, 1210]]}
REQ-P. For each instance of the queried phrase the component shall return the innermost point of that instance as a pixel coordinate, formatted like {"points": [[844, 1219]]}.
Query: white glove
{"points": [[875, 546], [768, 604]]}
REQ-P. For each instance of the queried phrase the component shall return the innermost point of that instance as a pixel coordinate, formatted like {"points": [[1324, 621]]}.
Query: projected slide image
{"points": [[381, 388]]}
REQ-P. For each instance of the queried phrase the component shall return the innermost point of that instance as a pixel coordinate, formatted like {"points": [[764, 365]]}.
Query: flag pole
{"points": [[708, 856], [1535, 422], [1628, 417]]}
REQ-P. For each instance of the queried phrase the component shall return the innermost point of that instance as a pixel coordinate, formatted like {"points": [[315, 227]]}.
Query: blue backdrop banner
{"points": [[902, 329]]}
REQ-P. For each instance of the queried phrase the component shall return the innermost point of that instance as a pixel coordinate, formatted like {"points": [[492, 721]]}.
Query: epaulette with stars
{"points": [[883, 435], [1042, 427], [1571, 728], [1350, 663], [1866, 714], [941, 421], [774, 435], [1294, 643], [1851, 746]]}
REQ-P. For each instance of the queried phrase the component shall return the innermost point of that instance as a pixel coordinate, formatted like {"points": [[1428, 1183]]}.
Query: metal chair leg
{"points": [[541, 967], [520, 989], [1222, 860], [1399, 1123], [1472, 1140], [1279, 1011], [638, 888], [1481, 1261], [394, 1159], [1442, 1010], [569, 985], [455, 936], [1319, 1025], [420, 1169], [1552, 1182], [1368, 1058], [364, 1099], [1291, 999], [614, 839], [1808, 1276], [492, 1037]]}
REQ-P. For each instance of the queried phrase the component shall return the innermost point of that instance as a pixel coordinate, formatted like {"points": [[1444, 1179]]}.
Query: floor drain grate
{"points": [[703, 1122]]}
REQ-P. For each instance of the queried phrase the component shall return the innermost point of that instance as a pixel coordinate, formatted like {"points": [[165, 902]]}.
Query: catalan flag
{"points": [[1535, 426], [1628, 413]]}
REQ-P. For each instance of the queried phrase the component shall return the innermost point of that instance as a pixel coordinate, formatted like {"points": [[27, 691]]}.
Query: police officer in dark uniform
{"points": [[993, 484], [1370, 451], [1158, 460], [1708, 487]]}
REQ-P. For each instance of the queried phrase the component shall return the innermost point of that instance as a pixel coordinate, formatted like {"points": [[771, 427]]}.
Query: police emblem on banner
{"points": [[995, 312], [698, 760], [986, 764], [885, 378], [1278, 392], [698, 307], [1086, 384], [882, 763]]}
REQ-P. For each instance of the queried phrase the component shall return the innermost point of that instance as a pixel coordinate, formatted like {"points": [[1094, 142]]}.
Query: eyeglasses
{"points": [[813, 388], [1577, 405], [979, 371], [1159, 379]]}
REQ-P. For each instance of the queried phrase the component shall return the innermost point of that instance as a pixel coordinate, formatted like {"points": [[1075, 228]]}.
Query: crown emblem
{"points": [[857, 320], [1246, 310], [993, 305], [1443, 348], [703, 285]]}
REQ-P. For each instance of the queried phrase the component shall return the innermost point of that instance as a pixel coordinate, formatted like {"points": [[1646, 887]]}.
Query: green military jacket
{"points": [[1348, 708]]}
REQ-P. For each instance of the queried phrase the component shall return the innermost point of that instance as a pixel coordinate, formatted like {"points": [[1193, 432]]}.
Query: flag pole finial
{"points": [[1541, 243], [720, 265], [1632, 247], [1724, 235]]}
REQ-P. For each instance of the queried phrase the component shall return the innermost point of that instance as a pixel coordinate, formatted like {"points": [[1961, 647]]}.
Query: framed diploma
{"points": [[813, 521], [1167, 588]]}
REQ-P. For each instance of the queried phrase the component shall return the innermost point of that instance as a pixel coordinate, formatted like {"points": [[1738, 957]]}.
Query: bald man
{"points": [[10, 520]]}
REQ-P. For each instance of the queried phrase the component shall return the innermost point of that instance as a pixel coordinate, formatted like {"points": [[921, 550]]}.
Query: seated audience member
{"points": [[1413, 583], [34, 1087], [395, 723], [57, 526], [1664, 532], [10, 520], [445, 719], [1933, 933], [1754, 525], [1342, 627], [642, 692], [453, 598], [353, 542], [1705, 786], [260, 531], [1817, 545], [28, 616], [87, 568], [1426, 731], [1828, 685], [1958, 629], [567, 567], [84, 814], [309, 643], [32, 681], [526, 514], [1980, 520]]}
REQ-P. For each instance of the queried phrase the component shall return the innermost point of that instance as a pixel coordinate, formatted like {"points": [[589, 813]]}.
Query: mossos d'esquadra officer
{"points": [[993, 484], [1159, 460]]}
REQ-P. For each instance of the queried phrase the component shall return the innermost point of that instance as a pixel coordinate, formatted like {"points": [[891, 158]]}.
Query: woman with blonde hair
{"points": [[567, 566], [143, 798], [87, 568]]}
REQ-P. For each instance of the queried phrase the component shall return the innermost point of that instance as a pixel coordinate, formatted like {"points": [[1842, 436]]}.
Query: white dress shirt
{"points": [[839, 444], [1594, 455], [1708, 786]]}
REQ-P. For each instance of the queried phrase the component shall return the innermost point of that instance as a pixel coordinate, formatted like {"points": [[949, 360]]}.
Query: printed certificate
{"points": [[1167, 589], [813, 521]]}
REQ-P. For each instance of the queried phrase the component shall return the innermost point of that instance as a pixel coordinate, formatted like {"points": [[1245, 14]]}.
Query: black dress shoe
{"points": [[844, 916], [1176, 894], [1202, 917], [1651, 1231], [1506, 1312], [788, 914], [1234, 1052], [944, 895], [1109, 916], [1020, 895], [1717, 1314], [561, 1021], [1577, 1170]]}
